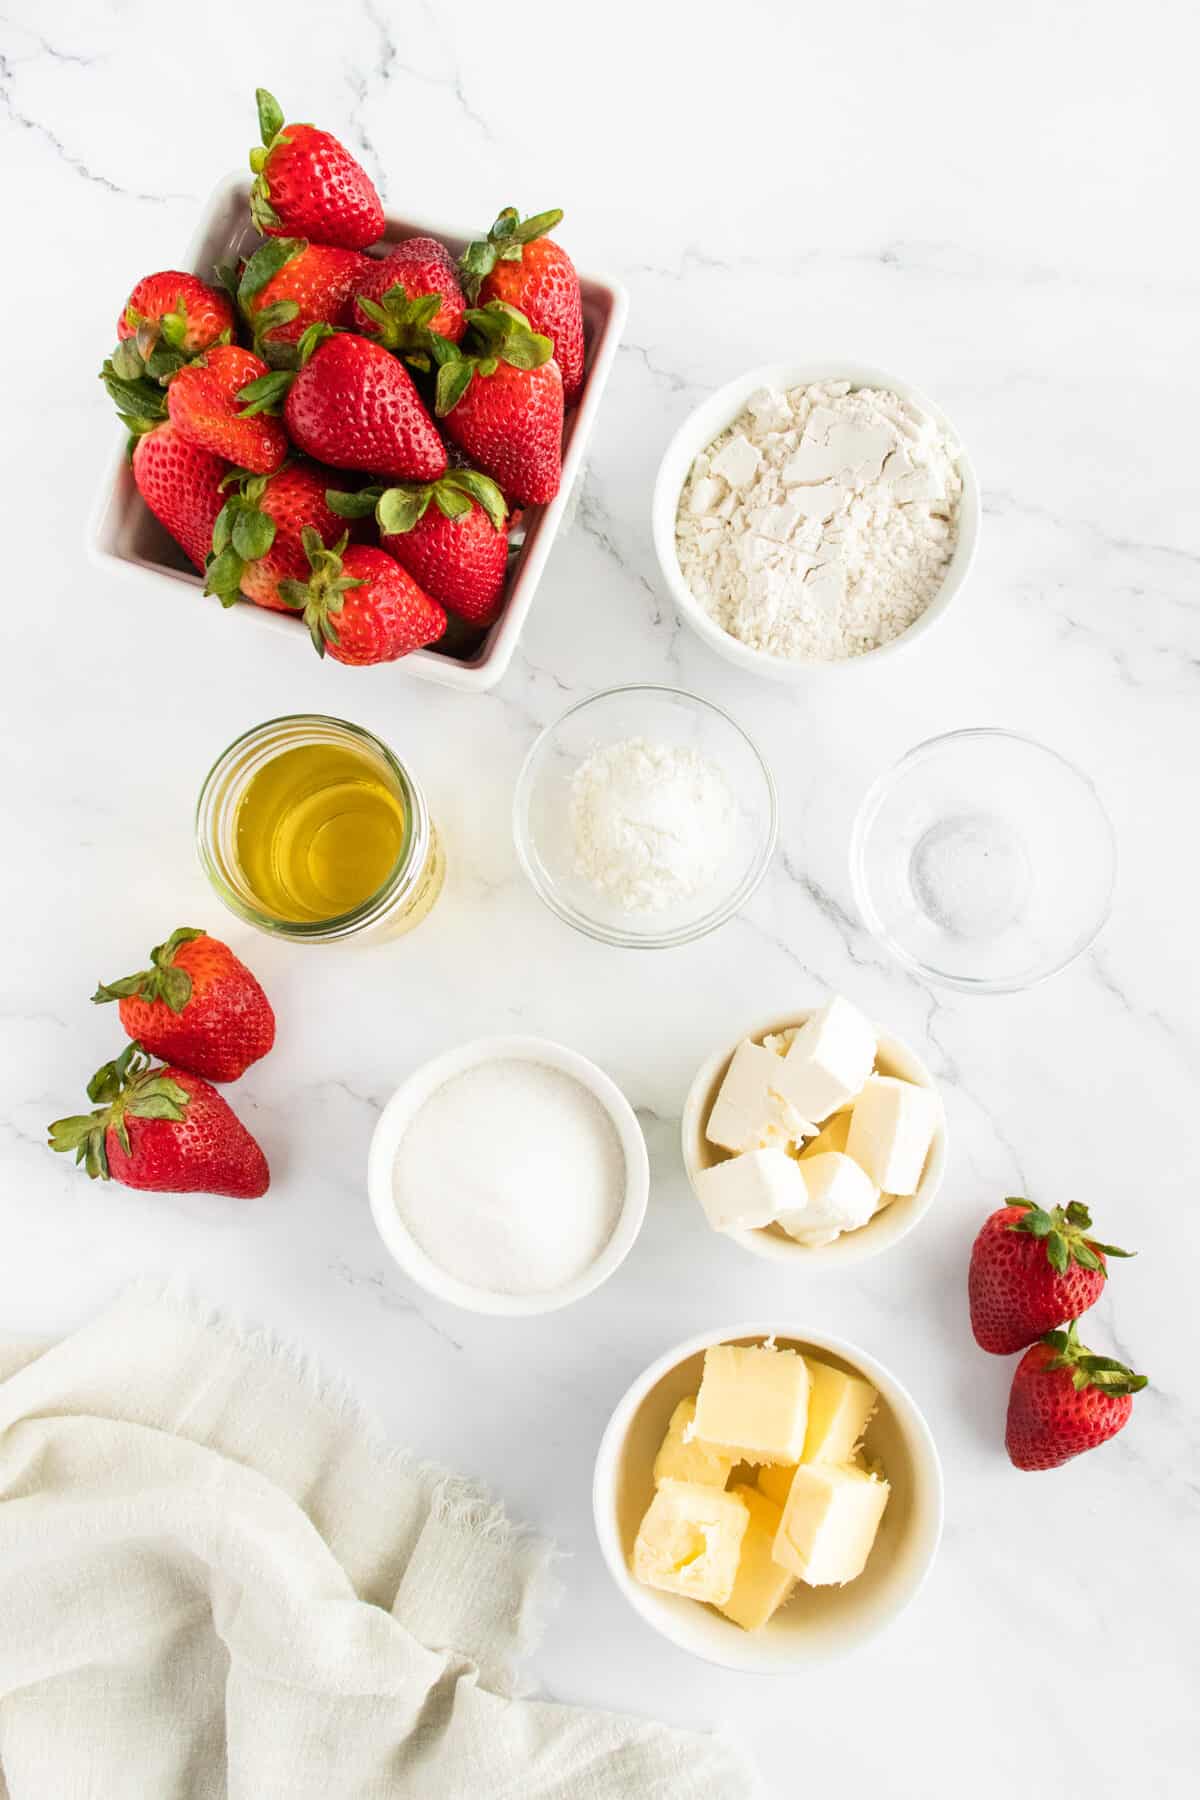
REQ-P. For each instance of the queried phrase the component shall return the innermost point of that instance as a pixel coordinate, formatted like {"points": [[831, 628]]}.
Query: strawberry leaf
{"points": [[270, 115], [253, 534], [1056, 1250], [358, 505], [453, 380], [401, 507]]}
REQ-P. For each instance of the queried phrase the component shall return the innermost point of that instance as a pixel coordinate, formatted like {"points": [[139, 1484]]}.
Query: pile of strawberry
{"points": [[1033, 1272], [164, 1126], [256, 408]]}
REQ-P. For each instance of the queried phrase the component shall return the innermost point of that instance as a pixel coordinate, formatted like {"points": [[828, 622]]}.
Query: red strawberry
{"points": [[181, 484], [394, 287], [182, 310], [517, 263], [162, 1129], [1064, 1401], [360, 605], [1031, 1270], [256, 538], [352, 405], [290, 284], [502, 401], [202, 401], [307, 184], [197, 1005], [450, 535]]}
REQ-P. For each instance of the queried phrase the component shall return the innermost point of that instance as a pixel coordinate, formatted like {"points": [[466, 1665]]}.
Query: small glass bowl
{"points": [[542, 813], [983, 861]]}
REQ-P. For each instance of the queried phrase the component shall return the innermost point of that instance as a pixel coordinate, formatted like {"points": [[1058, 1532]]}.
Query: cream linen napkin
{"points": [[214, 1580]]}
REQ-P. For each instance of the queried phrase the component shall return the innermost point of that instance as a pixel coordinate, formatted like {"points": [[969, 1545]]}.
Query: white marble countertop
{"points": [[994, 206]]}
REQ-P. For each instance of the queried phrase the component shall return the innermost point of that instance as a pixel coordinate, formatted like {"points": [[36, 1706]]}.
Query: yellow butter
{"points": [[679, 1459], [761, 1586], [774, 1480], [831, 1138], [829, 1523], [839, 1409], [754, 1399], [690, 1539]]}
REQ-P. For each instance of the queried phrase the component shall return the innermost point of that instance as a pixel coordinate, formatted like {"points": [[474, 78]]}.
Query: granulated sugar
{"points": [[511, 1177]]}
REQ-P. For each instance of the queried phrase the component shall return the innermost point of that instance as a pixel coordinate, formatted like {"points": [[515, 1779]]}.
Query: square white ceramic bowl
{"points": [[706, 422], [887, 1227], [402, 1108], [817, 1625], [123, 532]]}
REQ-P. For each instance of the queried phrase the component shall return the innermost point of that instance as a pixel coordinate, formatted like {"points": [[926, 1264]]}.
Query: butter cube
{"points": [[840, 1407], [891, 1129], [774, 1480], [690, 1539], [829, 1523], [749, 1112], [750, 1191], [681, 1458], [761, 1586], [831, 1138], [754, 1399], [839, 1196], [828, 1060]]}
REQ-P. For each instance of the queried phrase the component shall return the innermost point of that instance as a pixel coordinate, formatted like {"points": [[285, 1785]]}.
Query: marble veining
{"points": [[996, 205]]}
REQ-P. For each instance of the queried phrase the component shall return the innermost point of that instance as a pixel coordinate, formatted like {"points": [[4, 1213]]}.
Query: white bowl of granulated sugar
{"points": [[814, 517], [508, 1176]]}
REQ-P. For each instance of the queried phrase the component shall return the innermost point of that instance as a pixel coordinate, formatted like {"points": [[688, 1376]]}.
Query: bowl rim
{"points": [[910, 1420], [902, 1216], [570, 915], [730, 399], [864, 819], [398, 1113]]}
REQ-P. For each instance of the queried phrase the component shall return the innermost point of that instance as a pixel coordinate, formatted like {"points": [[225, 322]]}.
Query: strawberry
{"points": [[502, 400], [388, 300], [203, 405], [197, 1005], [360, 605], [180, 309], [456, 548], [1031, 1270], [518, 263], [290, 284], [307, 184], [1064, 1401], [353, 405], [256, 538], [181, 484], [164, 1130]]}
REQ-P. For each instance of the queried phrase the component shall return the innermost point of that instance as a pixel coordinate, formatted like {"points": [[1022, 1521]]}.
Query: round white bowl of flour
{"points": [[798, 584], [508, 1176]]}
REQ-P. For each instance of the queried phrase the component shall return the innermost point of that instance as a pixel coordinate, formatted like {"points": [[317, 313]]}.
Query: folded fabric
{"points": [[216, 1580]]}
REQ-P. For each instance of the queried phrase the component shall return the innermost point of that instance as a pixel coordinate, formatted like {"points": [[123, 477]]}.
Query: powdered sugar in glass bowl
{"points": [[644, 817]]}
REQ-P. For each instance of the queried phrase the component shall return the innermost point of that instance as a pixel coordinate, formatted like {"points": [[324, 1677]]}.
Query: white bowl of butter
{"points": [[894, 1215], [808, 1622]]}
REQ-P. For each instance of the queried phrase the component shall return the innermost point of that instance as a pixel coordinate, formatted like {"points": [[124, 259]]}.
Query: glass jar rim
{"points": [[408, 864]]}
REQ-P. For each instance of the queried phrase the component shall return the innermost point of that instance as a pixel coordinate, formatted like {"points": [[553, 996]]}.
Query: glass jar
{"points": [[417, 868]]}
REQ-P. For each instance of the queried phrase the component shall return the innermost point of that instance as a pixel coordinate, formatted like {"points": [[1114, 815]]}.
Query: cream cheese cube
{"points": [[684, 1458], [750, 1111], [829, 1523], [761, 1586], [839, 1196], [747, 1192], [754, 1400], [689, 1541], [828, 1060], [891, 1129], [840, 1408]]}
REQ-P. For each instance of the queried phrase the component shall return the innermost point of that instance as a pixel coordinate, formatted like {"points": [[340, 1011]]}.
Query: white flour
{"points": [[511, 1177], [820, 524], [652, 823]]}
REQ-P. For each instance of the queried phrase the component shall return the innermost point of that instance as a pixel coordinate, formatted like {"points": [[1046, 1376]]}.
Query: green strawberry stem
{"points": [[322, 596], [242, 532], [402, 324], [1087, 1369], [163, 980], [128, 1088], [398, 508], [270, 128], [498, 333], [504, 243], [1064, 1232]]}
